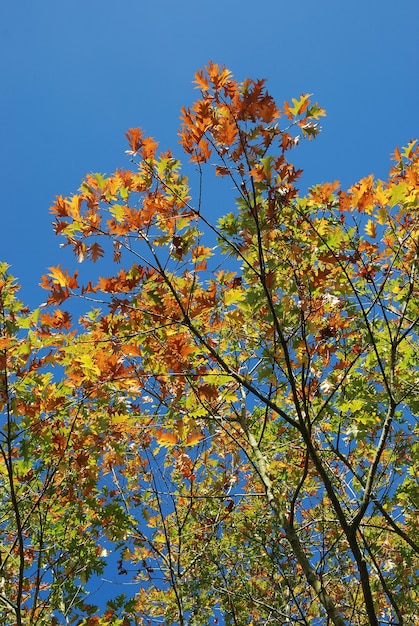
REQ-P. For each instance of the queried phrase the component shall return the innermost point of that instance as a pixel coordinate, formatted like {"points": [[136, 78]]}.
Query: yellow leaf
{"points": [[88, 365], [398, 194], [63, 279], [382, 215], [380, 195], [123, 419], [300, 105], [233, 295], [407, 151], [371, 228], [58, 276]]}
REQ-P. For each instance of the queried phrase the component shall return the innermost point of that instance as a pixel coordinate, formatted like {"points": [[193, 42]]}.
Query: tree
{"points": [[234, 414]]}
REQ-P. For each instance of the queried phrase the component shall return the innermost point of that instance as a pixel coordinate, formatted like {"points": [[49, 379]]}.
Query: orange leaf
{"points": [[148, 148], [323, 193], [166, 438], [201, 80], [217, 75], [135, 138], [58, 319], [396, 156], [193, 439], [4, 342]]}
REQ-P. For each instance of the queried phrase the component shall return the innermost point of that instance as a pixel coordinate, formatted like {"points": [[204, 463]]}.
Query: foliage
{"points": [[233, 418]]}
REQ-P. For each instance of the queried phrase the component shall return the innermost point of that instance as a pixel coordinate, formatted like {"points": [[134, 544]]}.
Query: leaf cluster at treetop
{"points": [[233, 417]]}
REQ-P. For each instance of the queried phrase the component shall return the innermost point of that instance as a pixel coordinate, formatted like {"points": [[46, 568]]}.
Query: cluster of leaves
{"points": [[235, 415]]}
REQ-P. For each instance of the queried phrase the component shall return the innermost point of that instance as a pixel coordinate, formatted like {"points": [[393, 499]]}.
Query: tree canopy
{"points": [[220, 418]]}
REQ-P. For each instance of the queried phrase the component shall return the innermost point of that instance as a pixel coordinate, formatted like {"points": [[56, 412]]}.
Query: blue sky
{"points": [[76, 75]]}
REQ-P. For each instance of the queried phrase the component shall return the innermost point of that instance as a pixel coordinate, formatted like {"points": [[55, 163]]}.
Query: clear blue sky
{"points": [[75, 75]]}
